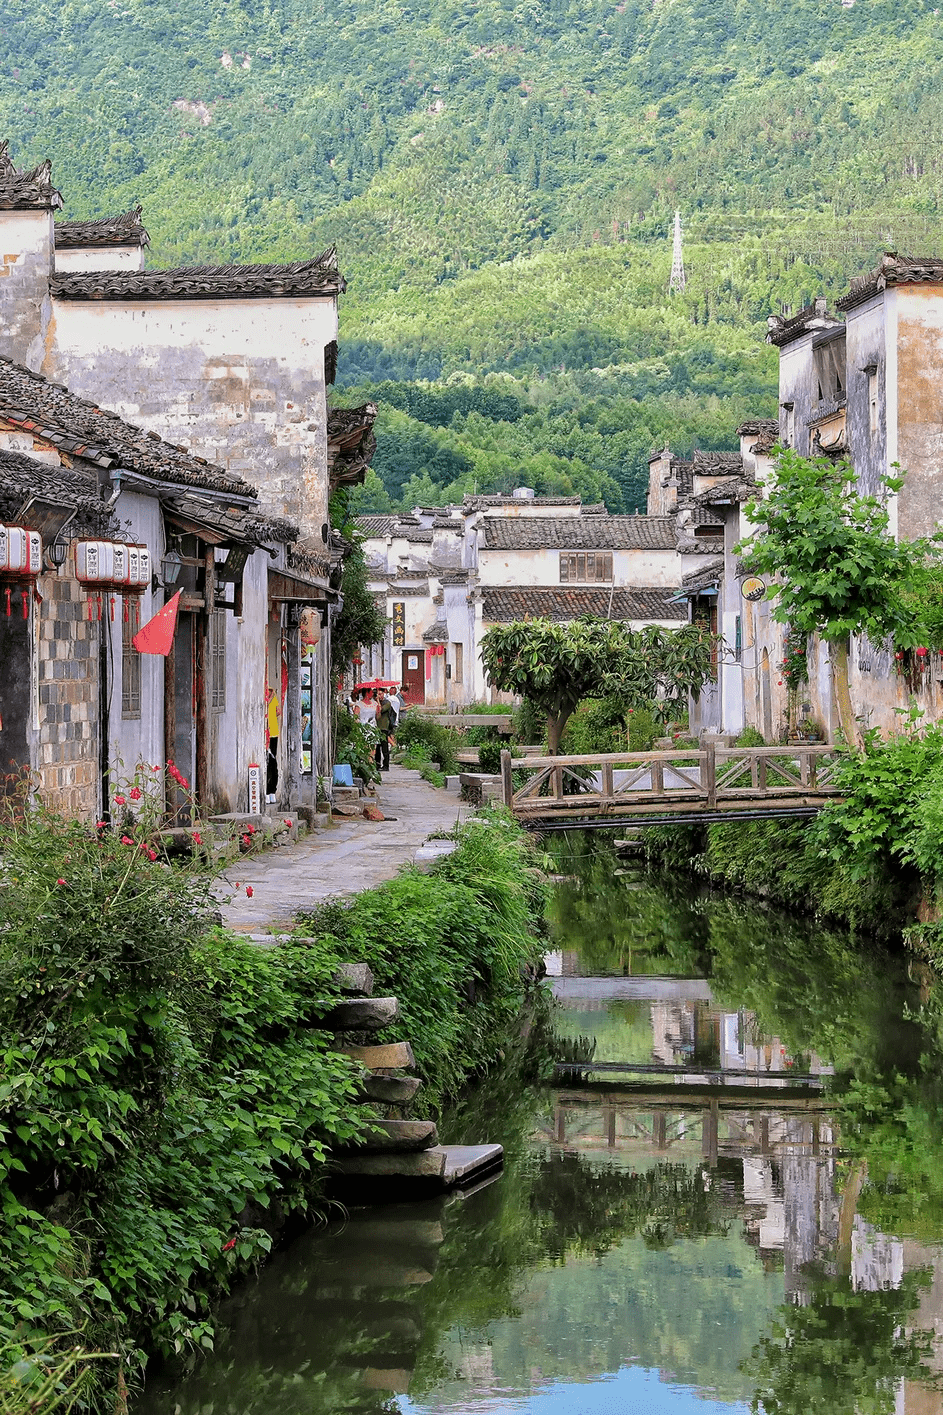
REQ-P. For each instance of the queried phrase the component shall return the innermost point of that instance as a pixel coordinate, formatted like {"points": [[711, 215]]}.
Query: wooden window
{"points": [[130, 663], [218, 660], [458, 654], [585, 567]]}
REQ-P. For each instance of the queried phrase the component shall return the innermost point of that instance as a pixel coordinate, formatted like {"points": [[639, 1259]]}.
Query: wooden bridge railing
{"points": [[709, 778]]}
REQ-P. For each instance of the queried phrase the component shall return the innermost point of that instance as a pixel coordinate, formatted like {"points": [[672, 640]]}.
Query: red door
{"points": [[414, 677]]}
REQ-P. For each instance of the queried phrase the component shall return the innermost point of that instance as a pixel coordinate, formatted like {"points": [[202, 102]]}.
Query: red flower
{"points": [[126, 840], [197, 838], [249, 891], [287, 822], [247, 841], [152, 855], [120, 801], [60, 881], [134, 793], [100, 825], [230, 1244]]}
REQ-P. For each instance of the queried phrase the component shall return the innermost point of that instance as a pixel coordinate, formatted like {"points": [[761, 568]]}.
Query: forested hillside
{"points": [[500, 180]]}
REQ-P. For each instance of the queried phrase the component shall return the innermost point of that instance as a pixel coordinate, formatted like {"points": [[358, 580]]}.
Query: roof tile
{"points": [[506, 605]]}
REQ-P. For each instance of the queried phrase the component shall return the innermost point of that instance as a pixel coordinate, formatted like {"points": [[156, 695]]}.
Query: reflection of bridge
{"points": [[686, 784], [715, 1126]]}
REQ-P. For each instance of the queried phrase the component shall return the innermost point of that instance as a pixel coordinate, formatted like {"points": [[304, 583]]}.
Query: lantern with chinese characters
{"points": [[21, 552], [113, 565]]}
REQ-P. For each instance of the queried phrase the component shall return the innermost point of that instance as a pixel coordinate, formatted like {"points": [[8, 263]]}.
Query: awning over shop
{"points": [[284, 587]]}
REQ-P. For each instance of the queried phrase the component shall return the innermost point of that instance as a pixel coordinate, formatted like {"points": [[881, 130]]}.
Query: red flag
{"points": [[157, 635]]}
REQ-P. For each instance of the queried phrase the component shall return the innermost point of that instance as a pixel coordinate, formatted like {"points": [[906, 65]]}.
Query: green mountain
{"points": [[500, 179]]}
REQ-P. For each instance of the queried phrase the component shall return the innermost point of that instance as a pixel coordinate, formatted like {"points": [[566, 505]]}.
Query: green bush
{"points": [[157, 1077], [354, 745], [164, 1090], [643, 729], [530, 724], [751, 737], [442, 743], [597, 725], [468, 930]]}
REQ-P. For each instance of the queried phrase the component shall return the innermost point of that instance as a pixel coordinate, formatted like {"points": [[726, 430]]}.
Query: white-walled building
{"points": [[234, 363], [445, 575]]}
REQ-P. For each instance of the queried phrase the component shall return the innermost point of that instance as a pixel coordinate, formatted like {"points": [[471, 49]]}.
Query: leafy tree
{"points": [[556, 665], [839, 569]]}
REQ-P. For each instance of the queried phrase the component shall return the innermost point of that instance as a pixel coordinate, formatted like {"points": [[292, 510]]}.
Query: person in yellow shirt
{"points": [[271, 736]]}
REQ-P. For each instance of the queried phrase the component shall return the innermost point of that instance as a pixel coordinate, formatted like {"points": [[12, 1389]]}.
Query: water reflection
{"points": [[747, 1216]]}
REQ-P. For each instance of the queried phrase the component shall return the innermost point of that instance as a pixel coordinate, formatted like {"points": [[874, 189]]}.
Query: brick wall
{"points": [[68, 747]]}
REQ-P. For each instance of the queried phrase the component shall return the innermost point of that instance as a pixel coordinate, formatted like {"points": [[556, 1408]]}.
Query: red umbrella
{"points": [[376, 683]]}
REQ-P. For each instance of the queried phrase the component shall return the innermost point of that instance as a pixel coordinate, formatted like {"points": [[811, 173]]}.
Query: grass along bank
{"points": [[167, 1100]]}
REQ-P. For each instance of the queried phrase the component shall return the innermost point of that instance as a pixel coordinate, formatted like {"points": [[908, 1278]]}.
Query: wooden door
{"points": [[413, 677], [184, 710], [14, 691]]}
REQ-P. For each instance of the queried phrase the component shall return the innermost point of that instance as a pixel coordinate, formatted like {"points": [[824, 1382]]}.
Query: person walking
{"points": [[396, 702], [366, 709], [384, 727]]}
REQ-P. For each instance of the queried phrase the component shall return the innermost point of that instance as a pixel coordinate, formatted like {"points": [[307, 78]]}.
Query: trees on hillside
{"points": [[556, 665]]}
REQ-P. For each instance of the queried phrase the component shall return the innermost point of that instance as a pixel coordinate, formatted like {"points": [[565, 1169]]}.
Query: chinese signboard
{"points": [[399, 625]]}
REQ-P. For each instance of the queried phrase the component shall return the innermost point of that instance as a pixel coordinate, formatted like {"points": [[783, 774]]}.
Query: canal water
{"points": [[730, 1200]]}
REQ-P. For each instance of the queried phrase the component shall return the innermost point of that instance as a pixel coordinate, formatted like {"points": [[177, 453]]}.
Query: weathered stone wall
{"points": [[919, 408], [25, 264], [67, 748], [240, 382]]}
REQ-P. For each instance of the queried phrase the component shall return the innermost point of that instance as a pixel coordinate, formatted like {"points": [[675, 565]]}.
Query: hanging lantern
{"points": [[21, 552], [113, 565]]}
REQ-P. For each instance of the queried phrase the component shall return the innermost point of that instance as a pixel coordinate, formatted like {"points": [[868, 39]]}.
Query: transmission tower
{"points": [[677, 281]]}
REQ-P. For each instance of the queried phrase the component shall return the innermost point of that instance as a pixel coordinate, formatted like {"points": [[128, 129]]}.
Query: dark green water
{"points": [[706, 1236]]}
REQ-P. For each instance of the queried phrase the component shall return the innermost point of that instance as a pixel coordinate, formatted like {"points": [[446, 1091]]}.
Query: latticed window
{"points": [[130, 663], [586, 567], [218, 660]]}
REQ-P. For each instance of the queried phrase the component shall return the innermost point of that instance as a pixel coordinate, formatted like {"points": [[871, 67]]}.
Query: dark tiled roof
{"points": [[26, 191], [452, 577], [375, 525], [717, 464], [507, 605], [701, 579], [206, 282], [74, 425], [732, 489], [483, 503], [405, 527], [575, 533], [893, 269], [241, 523], [754, 426], [766, 441], [437, 632], [703, 515], [350, 444], [124, 230], [22, 477], [783, 329]]}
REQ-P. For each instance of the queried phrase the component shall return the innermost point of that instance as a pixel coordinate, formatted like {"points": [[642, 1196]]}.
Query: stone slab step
{"points": [[361, 1014], [389, 1136], [353, 978], [393, 1090], [467, 1164], [421, 1164], [390, 1056]]}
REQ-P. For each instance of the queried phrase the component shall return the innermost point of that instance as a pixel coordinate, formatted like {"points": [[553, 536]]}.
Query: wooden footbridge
{"points": [[684, 785]]}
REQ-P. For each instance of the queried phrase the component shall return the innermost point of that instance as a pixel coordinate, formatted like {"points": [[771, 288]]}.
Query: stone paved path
{"points": [[349, 855]]}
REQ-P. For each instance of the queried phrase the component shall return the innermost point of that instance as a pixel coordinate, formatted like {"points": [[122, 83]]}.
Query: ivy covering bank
{"points": [[166, 1102]]}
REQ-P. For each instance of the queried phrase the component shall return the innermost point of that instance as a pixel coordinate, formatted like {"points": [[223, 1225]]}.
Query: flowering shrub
{"points": [[794, 668]]}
